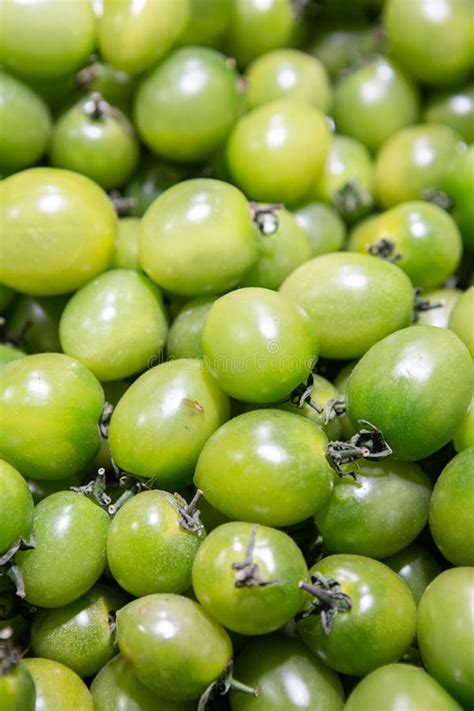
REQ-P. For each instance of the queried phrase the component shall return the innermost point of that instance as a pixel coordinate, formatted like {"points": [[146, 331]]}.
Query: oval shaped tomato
{"points": [[16, 507], [57, 687], [416, 566]]}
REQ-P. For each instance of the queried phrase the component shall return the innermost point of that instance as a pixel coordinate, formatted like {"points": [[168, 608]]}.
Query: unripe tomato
{"points": [[208, 23], [461, 319], [453, 108], [17, 689], [126, 245], [417, 566], [324, 227], [457, 184], [184, 336], [57, 687], [16, 507], [464, 435], [34, 322]]}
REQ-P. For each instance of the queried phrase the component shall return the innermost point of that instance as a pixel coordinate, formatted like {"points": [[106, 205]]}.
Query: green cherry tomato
{"points": [[116, 687], [322, 393], [79, 635], [276, 470], [184, 336], [39, 41], [134, 36], [445, 299], [413, 161], [174, 407], [198, 238], [281, 252], [258, 345], [380, 625], [153, 178], [208, 23], [424, 236], [126, 245], [50, 409], [9, 353], [17, 689], [464, 435], [324, 227], [457, 184], [276, 152], [378, 513], [257, 27], [115, 324], [97, 140], [374, 102], [433, 41], [444, 632], [341, 44], [453, 108], [396, 686], [69, 557], [286, 676], [245, 608], [461, 319], [288, 74], [25, 125], [416, 566], [415, 386], [58, 231], [172, 645], [34, 322], [115, 86], [192, 82], [57, 687], [451, 522], [351, 300], [347, 178], [148, 548], [16, 507]]}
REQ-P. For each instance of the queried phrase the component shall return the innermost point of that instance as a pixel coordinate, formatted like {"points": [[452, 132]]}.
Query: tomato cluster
{"points": [[236, 355]]}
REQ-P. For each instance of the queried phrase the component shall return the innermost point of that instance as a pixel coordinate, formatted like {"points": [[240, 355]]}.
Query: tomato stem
{"points": [[247, 571], [439, 198], [369, 443], [189, 514], [14, 573], [264, 217], [121, 203], [19, 545], [328, 600], [301, 395], [222, 685], [10, 656], [385, 249], [421, 304], [351, 198]]}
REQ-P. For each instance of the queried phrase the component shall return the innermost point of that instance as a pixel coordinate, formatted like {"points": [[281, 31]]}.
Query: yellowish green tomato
{"points": [[115, 324], [184, 335], [341, 44], [208, 23], [114, 85], [322, 393], [323, 225], [186, 107], [25, 124], [80, 635], [57, 687], [34, 322], [464, 435], [374, 102], [59, 231], [453, 108], [9, 353], [457, 184], [17, 689], [439, 316], [353, 300], [288, 74], [425, 237], [451, 520], [16, 507], [417, 566], [277, 151], [126, 245], [281, 252], [461, 320], [39, 41], [275, 464], [153, 178], [51, 405], [198, 238], [174, 407], [414, 160], [134, 36], [258, 345]]}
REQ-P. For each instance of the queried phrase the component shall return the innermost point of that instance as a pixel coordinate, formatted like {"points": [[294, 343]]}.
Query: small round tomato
{"points": [[198, 238], [258, 345], [9, 353], [413, 161], [148, 550], [69, 556], [34, 322], [133, 37], [16, 507], [57, 687], [424, 237], [377, 629], [457, 184], [324, 227], [286, 677], [40, 253], [208, 23], [353, 300], [126, 245], [374, 102], [416, 566], [80, 635], [453, 108], [464, 435], [115, 325], [415, 386], [174, 407], [116, 687], [398, 686], [461, 319], [433, 42], [17, 689], [444, 632], [184, 336], [277, 151], [341, 44], [453, 501], [288, 74], [322, 393], [275, 464], [444, 300], [115, 86], [172, 645], [378, 513]]}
